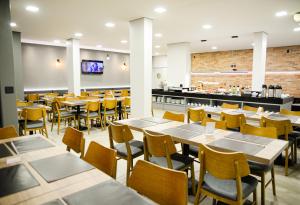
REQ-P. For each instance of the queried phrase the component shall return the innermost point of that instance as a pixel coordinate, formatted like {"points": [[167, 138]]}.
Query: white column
{"points": [[259, 60], [73, 65], [140, 32], [179, 64]]}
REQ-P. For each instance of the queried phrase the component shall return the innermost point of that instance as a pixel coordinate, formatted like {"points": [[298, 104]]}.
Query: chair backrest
{"points": [[23, 103], [92, 98], [173, 116], [283, 127], [119, 133], [289, 112], [161, 185], [249, 108], [82, 97], [8, 132], [223, 165], [93, 106], [33, 114], [52, 94], [74, 140], [84, 94], [269, 132], [69, 95], [230, 106], [110, 104], [95, 92], [219, 124], [158, 145], [196, 115], [33, 97], [55, 105], [124, 93], [127, 101], [233, 120], [102, 158]]}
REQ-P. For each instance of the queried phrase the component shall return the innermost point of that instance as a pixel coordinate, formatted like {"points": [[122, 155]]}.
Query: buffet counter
{"points": [[180, 101]]}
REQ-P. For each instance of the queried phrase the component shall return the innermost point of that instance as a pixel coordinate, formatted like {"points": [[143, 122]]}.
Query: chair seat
{"points": [[32, 124], [257, 168], [91, 114], [135, 146], [227, 188], [65, 114], [179, 161]]}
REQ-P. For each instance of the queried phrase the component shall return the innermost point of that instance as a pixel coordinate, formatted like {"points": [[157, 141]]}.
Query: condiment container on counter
{"points": [[271, 91], [264, 91], [278, 91]]}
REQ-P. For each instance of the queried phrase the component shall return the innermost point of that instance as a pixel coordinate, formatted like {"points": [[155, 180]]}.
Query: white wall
{"points": [[160, 66], [41, 70]]}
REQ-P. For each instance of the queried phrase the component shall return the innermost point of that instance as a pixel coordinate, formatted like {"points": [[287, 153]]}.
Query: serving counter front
{"points": [[180, 101]]}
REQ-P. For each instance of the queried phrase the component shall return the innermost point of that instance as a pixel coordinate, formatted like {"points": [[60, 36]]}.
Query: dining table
{"points": [[34, 170]]}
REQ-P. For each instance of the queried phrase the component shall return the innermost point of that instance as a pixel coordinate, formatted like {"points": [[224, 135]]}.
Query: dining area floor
{"points": [[287, 187]]}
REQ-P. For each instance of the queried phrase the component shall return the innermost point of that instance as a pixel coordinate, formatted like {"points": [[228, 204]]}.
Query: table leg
{"points": [[185, 149], [120, 109]]}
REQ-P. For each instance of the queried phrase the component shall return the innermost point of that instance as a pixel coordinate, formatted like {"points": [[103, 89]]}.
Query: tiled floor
{"points": [[288, 188]]}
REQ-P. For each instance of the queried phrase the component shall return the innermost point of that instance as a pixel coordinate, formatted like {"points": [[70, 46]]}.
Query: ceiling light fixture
{"points": [[33, 9], [107, 57], [158, 35], [160, 10], [157, 46], [207, 26], [214, 48], [281, 13], [78, 34], [123, 66], [110, 25], [124, 41], [99, 46], [297, 29], [56, 41], [13, 24]]}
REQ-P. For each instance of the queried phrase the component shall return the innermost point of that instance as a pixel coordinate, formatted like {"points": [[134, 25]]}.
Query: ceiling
{"points": [[182, 22]]}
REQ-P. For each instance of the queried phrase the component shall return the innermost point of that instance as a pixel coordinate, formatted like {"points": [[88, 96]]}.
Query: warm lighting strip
{"points": [[47, 43]]}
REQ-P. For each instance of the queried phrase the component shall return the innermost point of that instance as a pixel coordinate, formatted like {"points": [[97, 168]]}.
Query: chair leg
{"points": [[45, 129], [193, 178], [295, 151], [286, 166], [87, 121], [128, 171], [262, 185], [198, 195], [273, 181], [214, 202], [58, 125]]}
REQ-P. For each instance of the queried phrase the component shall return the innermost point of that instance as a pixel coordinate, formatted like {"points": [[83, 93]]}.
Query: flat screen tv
{"points": [[92, 67]]}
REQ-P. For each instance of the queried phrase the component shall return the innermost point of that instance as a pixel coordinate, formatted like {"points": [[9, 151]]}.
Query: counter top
{"points": [[223, 97]]}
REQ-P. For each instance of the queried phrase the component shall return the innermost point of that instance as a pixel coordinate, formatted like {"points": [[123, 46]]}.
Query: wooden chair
{"points": [[33, 97], [103, 158], [258, 169], [233, 121], [127, 148], [59, 115], [173, 116], [8, 132], [283, 128], [94, 93], [249, 108], [124, 93], [92, 113], [69, 95], [224, 176], [230, 106], [34, 119], [161, 185], [161, 150], [74, 140], [195, 115], [84, 94], [109, 110], [108, 94], [219, 124], [126, 107], [23, 104]]}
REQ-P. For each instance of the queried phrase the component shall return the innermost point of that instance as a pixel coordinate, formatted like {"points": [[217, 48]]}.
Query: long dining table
{"points": [[256, 149], [34, 170]]}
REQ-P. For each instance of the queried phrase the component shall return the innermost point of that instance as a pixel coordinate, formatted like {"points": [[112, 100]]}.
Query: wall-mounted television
{"points": [[92, 67]]}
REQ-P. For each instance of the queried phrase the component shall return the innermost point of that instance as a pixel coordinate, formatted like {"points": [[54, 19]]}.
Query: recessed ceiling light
{"points": [[207, 26], [158, 35], [56, 41], [110, 25], [124, 41], [281, 13], [78, 34], [203, 41], [214, 47], [98, 46], [157, 46], [160, 10], [13, 24], [32, 9], [297, 29]]}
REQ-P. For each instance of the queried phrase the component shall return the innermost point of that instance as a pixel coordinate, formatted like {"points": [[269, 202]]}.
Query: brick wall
{"points": [[278, 59]]}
